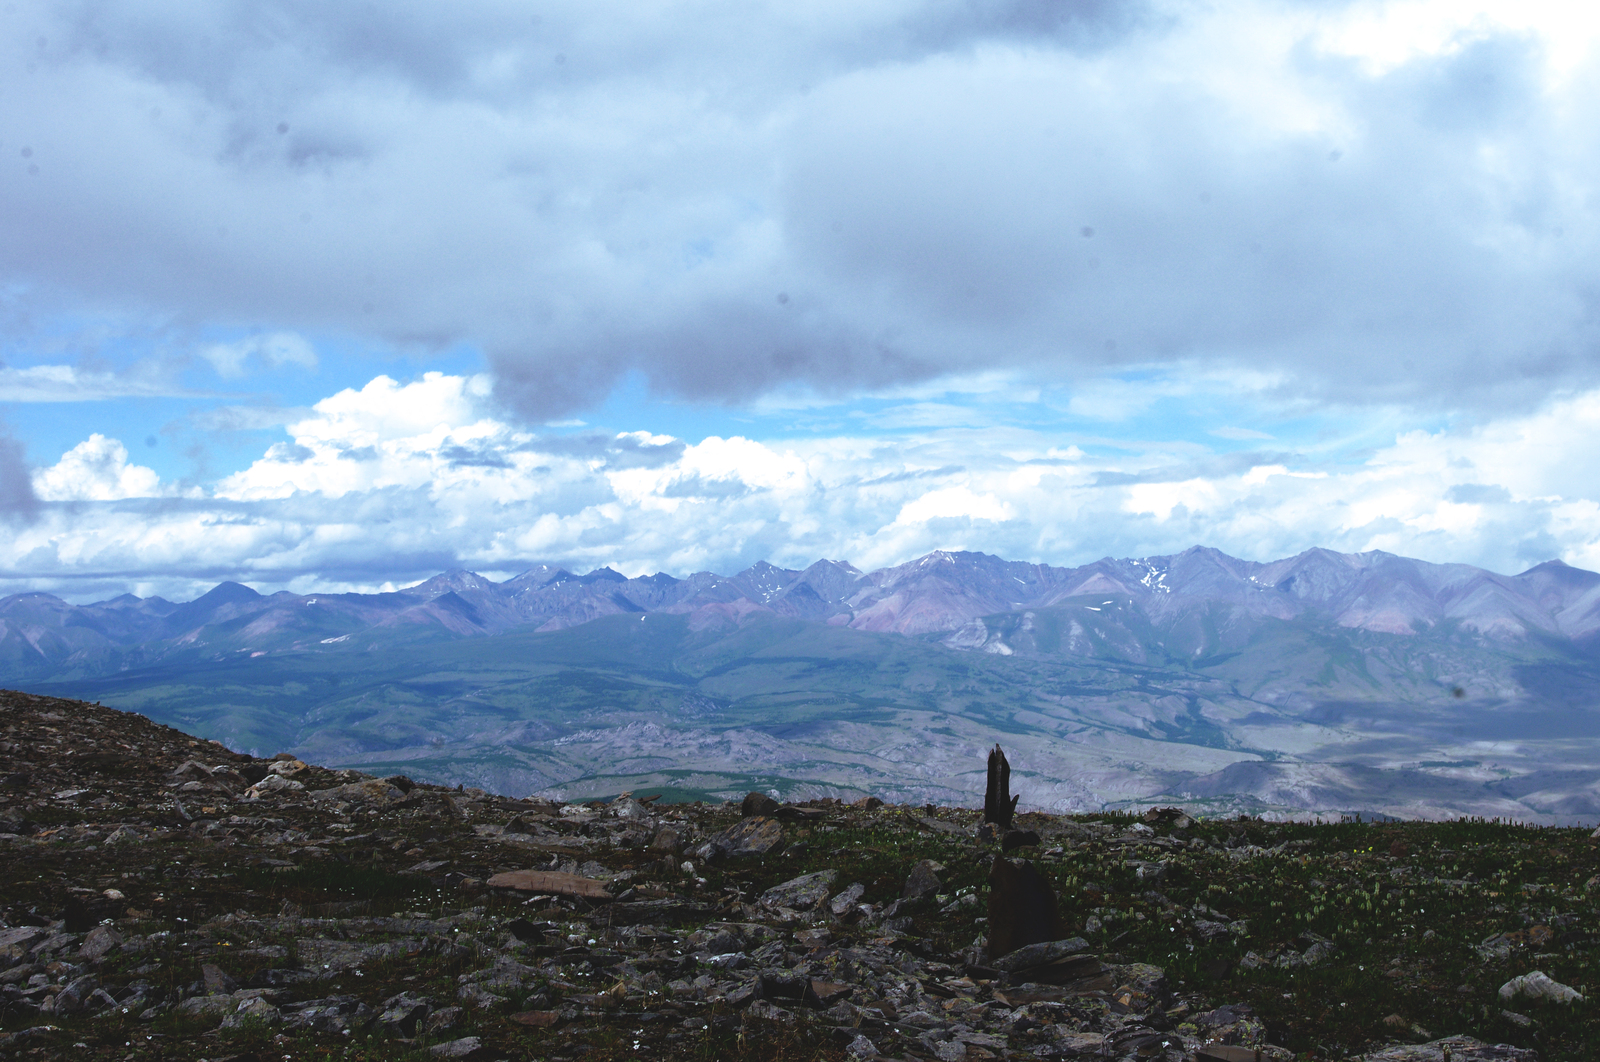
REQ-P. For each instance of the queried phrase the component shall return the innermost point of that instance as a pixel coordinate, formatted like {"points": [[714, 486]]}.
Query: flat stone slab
{"points": [[757, 835], [1040, 954], [801, 893], [553, 882], [1456, 1049]]}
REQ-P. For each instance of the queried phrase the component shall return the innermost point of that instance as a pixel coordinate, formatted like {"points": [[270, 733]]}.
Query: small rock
{"points": [[251, 1012], [628, 809], [22, 936], [846, 899], [1032, 955], [1536, 986], [802, 893], [402, 1014], [273, 783], [99, 1000], [99, 940], [922, 881], [552, 883], [758, 804], [1018, 839], [525, 930], [218, 983], [456, 1048], [827, 993], [861, 1047], [1318, 952], [769, 1012], [1452, 1049], [368, 792], [71, 999], [666, 839], [538, 1019], [757, 835], [1151, 872]]}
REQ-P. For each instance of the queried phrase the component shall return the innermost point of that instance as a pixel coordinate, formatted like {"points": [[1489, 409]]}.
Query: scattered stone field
{"points": [[162, 897]]}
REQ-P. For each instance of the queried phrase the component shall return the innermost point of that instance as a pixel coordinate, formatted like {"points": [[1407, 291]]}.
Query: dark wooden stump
{"points": [[1022, 908], [999, 806]]}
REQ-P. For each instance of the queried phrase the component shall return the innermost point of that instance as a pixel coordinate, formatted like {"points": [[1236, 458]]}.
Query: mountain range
{"points": [[1321, 683]]}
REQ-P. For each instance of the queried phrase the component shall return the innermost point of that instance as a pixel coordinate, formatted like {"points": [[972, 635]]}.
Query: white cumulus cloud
{"points": [[96, 469], [395, 481]]}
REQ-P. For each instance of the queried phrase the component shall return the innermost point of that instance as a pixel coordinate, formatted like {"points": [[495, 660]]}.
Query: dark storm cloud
{"points": [[17, 499], [736, 198], [631, 450]]}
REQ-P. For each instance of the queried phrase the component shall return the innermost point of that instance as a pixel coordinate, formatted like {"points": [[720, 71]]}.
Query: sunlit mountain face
{"points": [[1324, 683]]}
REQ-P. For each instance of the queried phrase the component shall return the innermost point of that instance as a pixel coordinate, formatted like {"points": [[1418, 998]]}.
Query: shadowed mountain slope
{"points": [[1320, 683], [42, 635]]}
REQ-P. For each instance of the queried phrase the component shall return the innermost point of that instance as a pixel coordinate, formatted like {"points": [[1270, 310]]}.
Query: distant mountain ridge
{"points": [[1321, 683], [942, 592]]}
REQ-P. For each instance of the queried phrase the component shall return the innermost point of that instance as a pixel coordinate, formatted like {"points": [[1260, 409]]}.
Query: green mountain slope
{"points": [[1101, 703]]}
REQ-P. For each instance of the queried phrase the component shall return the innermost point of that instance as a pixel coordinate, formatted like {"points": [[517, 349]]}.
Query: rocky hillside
{"points": [[164, 897]]}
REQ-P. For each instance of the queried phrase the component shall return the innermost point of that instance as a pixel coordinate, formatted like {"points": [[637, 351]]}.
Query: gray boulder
{"points": [[802, 893], [1538, 986]]}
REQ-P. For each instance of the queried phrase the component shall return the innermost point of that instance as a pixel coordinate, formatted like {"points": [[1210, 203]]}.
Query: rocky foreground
{"points": [[164, 897]]}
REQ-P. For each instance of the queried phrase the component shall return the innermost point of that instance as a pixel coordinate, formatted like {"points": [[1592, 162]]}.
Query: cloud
{"points": [[384, 435], [395, 481], [18, 502], [97, 469], [1239, 434], [953, 503], [243, 418], [1371, 203], [65, 383], [276, 349]]}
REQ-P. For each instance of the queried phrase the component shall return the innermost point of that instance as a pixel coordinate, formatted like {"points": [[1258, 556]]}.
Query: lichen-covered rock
{"points": [[1538, 986], [847, 899], [1453, 1049], [255, 1011], [922, 881], [461, 1048], [98, 941], [754, 836], [367, 792], [802, 893], [1040, 954]]}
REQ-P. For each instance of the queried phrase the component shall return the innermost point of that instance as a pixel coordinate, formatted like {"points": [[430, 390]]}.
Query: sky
{"points": [[325, 297]]}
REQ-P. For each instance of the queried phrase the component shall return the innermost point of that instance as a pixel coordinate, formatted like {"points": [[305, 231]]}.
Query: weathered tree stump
{"points": [[1022, 907], [999, 806]]}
